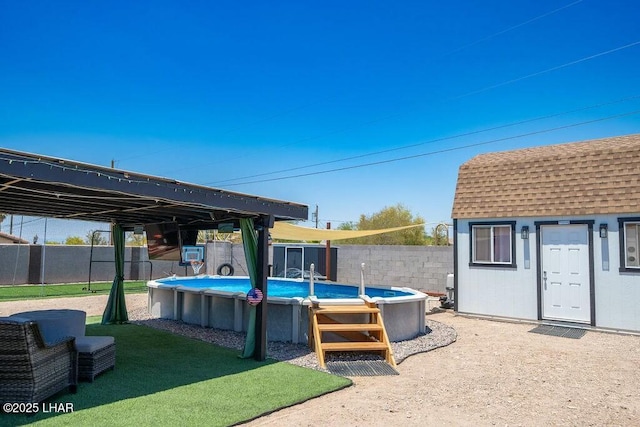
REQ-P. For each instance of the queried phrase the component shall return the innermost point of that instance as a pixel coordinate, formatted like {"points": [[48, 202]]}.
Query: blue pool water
{"points": [[281, 288]]}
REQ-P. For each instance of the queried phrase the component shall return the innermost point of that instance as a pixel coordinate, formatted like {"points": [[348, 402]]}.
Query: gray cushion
{"points": [[14, 318], [90, 344], [57, 324]]}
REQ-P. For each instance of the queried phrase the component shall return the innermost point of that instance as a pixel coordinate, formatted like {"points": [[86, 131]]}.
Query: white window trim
{"points": [[491, 240], [626, 245]]}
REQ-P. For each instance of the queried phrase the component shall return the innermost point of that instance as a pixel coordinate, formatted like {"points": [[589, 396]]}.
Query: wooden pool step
{"points": [[347, 327], [349, 309], [354, 346], [360, 333]]}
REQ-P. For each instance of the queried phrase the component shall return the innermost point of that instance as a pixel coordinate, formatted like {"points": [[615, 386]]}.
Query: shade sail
{"points": [[287, 231]]}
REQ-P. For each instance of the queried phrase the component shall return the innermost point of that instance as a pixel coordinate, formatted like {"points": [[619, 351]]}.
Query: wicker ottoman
{"points": [[95, 355]]}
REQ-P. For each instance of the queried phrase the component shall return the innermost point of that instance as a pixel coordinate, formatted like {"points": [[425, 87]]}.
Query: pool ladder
{"points": [[348, 328]]}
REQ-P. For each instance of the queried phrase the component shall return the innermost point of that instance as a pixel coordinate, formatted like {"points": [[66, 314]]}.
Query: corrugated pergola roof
{"points": [[37, 185], [582, 178]]}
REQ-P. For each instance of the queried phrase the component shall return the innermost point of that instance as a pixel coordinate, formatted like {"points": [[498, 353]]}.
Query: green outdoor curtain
{"points": [[250, 244], [116, 310]]}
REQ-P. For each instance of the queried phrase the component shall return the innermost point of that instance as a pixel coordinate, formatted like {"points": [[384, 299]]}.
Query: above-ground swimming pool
{"points": [[220, 302]]}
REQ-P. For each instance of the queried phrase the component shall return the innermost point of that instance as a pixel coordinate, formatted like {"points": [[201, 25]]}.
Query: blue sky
{"points": [[216, 93]]}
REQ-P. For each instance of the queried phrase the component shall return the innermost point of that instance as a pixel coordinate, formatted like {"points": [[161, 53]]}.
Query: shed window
{"points": [[492, 244], [631, 238]]}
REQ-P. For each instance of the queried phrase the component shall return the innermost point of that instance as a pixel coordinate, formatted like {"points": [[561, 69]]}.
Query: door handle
{"points": [[544, 277]]}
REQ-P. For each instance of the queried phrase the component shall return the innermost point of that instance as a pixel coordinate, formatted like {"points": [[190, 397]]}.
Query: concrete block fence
{"points": [[419, 267]]}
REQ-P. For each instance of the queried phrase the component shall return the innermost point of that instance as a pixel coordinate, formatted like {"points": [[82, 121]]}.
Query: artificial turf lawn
{"points": [[166, 379], [9, 293]]}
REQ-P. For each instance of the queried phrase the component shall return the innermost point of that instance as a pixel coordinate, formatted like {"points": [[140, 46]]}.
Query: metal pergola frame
{"points": [[36, 185]]}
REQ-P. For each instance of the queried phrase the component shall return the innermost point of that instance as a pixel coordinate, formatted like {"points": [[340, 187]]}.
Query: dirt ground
{"points": [[496, 373], [93, 305]]}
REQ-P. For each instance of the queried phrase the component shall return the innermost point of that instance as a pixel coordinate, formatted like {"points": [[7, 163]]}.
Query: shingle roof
{"points": [[582, 178], [5, 237]]}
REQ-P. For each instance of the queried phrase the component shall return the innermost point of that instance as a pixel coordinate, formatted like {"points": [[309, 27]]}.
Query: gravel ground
{"points": [[438, 335]]}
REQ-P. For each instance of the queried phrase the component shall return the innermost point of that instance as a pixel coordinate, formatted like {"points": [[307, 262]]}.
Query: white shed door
{"points": [[565, 273]]}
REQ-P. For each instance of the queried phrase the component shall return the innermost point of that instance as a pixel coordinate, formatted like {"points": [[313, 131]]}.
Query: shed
{"points": [[551, 233]]}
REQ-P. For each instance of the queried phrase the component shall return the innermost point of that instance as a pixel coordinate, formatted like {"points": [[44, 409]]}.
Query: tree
{"points": [[439, 235], [74, 240], [135, 239], [235, 237], [2, 217], [348, 226], [388, 217], [96, 238], [203, 236]]}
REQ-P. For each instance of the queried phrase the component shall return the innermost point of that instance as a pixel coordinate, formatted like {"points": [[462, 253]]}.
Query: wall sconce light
{"points": [[524, 233], [603, 231]]}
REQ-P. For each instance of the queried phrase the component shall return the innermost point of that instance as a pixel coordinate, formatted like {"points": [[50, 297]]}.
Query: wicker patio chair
{"points": [[30, 369]]}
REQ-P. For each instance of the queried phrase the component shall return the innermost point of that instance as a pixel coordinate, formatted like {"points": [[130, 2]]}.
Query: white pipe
{"points": [[362, 279], [312, 268]]}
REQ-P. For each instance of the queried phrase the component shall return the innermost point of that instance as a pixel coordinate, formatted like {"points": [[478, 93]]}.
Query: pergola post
{"points": [[260, 352]]}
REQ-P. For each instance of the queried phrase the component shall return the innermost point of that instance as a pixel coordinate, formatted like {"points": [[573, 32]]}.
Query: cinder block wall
{"points": [[419, 267], [22, 264], [219, 253], [14, 264]]}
